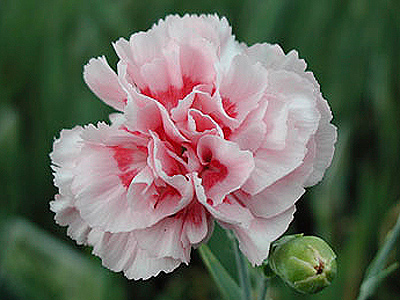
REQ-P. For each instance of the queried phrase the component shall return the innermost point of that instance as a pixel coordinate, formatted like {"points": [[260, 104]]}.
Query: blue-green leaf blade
{"points": [[228, 287]]}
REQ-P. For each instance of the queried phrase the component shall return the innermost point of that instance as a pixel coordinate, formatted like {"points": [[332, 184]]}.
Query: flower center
{"points": [[171, 96], [229, 107], [213, 173]]}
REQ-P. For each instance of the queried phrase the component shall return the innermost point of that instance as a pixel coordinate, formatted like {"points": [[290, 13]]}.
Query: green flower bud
{"points": [[305, 263]]}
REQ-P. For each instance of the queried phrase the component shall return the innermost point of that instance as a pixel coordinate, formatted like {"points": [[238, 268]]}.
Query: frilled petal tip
{"points": [[67, 215], [120, 252], [139, 254]]}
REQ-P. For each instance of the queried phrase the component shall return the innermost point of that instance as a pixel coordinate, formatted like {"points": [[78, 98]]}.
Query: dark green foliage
{"points": [[352, 46]]}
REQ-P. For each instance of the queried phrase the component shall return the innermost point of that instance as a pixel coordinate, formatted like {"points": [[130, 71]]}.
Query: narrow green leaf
{"points": [[371, 284], [228, 287]]}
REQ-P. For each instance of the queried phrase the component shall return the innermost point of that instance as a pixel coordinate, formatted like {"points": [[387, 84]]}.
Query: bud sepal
{"points": [[306, 263]]}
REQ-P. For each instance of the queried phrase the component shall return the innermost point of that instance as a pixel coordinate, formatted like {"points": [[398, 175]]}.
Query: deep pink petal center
{"points": [[171, 96], [127, 163], [213, 173]]}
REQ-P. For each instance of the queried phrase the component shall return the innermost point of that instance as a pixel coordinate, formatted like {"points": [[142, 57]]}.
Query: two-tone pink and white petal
{"points": [[67, 215], [109, 159], [225, 167], [273, 57], [103, 81], [291, 119], [120, 252], [255, 240]]}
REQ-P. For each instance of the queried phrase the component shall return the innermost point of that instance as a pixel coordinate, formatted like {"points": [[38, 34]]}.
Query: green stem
{"points": [[263, 288], [375, 273], [243, 271], [226, 284]]}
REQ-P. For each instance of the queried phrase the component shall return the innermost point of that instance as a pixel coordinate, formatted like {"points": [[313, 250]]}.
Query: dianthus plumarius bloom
{"points": [[208, 129]]}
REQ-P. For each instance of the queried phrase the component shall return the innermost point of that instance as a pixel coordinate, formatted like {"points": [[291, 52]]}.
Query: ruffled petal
{"points": [[251, 133], [150, 203], [65, 151], [137, 116], [255, 240], [167, 69], [66, 148], [165, 159], [225, 166], [255, 234], [231, 210], [211, 28], [120, 252], [174, 236], [103, 173], [197, 59], [198, 224], [242, 88], [159, 190], [145, 266], [282, 194], [273, 57], [164, 239], [292, 118], [103, 81], [199, 124], [67, 215], [324, 139]]}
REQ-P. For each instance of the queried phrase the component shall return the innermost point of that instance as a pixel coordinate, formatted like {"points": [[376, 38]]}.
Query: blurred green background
{"points": [[353, 48]]}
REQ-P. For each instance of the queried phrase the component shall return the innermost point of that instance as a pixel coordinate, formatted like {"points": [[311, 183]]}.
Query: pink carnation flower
{"points": [[208, 129]]}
